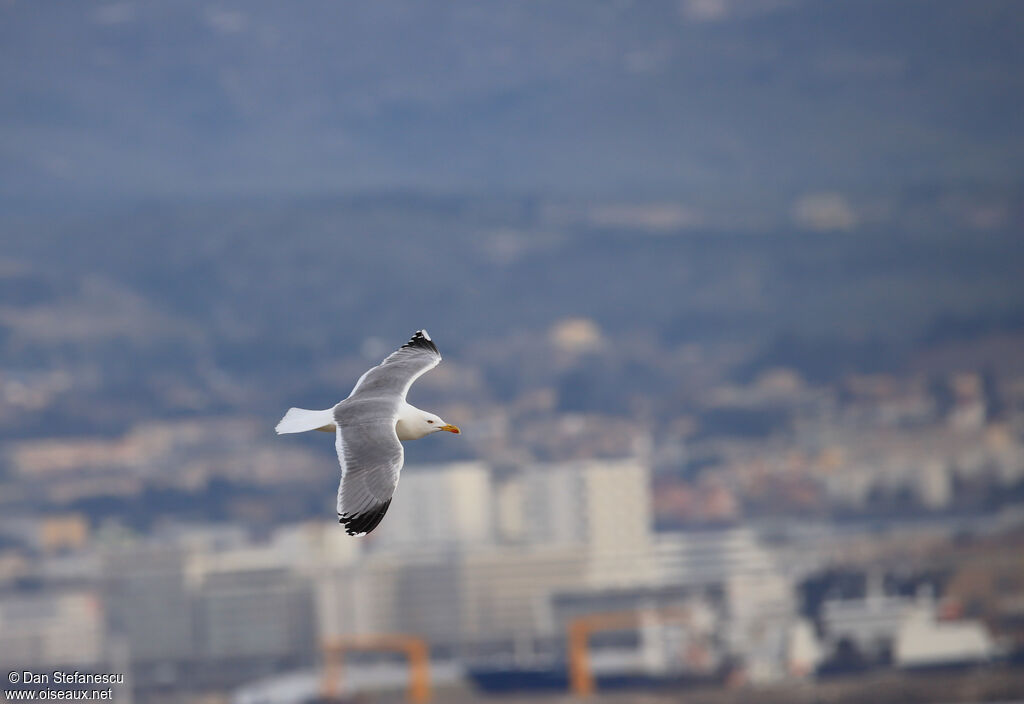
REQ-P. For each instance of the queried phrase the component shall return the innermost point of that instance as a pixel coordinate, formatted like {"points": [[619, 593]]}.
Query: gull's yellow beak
{"points": [[451, 428]]}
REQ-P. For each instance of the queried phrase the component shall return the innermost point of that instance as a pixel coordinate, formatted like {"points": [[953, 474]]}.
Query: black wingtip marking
{"points": [[421, 340], [363, 523]]}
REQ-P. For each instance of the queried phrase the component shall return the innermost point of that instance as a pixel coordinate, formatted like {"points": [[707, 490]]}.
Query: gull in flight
{"points": [[368, 428]]}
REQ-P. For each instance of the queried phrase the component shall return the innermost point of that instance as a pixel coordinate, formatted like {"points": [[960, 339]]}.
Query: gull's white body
{"points": [[411, 423]]}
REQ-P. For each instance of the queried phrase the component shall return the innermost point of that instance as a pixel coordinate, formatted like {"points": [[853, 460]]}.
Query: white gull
{"points": [[369, 426]]}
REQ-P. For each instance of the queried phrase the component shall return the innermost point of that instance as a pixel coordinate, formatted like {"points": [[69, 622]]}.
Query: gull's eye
{"points": [[431, 422]]}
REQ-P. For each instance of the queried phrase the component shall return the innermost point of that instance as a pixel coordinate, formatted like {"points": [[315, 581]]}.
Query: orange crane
{"points": [[414, 647], [581, 677]]}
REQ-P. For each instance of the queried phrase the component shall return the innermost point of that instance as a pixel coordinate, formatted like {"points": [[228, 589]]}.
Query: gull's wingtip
{"points": [[420, 339]]}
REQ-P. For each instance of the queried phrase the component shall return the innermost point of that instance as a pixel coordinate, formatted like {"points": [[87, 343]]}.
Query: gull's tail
{"points": [[300, 420]]}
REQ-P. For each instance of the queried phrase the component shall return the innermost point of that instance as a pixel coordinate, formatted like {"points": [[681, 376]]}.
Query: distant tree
{"points": [[743, 422], [995, 406], [842, 583], [941, 394], [846, 658]]}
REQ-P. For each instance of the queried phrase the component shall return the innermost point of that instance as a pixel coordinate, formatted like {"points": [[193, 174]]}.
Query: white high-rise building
{"points": [[601, 503], [706, 557], [600, 506], [439, 506]]}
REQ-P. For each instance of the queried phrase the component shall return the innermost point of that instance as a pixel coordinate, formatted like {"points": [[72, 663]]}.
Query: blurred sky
{"points": [[736, 100]]}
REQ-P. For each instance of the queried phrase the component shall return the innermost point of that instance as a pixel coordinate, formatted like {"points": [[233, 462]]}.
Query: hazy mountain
{"points": [[269, 282]]}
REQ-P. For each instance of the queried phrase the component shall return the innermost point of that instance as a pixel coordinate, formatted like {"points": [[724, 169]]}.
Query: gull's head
{"points": [[434, 424], [413, 424]]}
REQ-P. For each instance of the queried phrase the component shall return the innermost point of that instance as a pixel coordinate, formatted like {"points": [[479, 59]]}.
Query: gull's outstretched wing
{"points": [[393, 377], [371, 458]]}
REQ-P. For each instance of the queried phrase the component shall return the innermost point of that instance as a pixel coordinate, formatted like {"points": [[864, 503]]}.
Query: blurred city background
{"points": [[731, 300]]}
